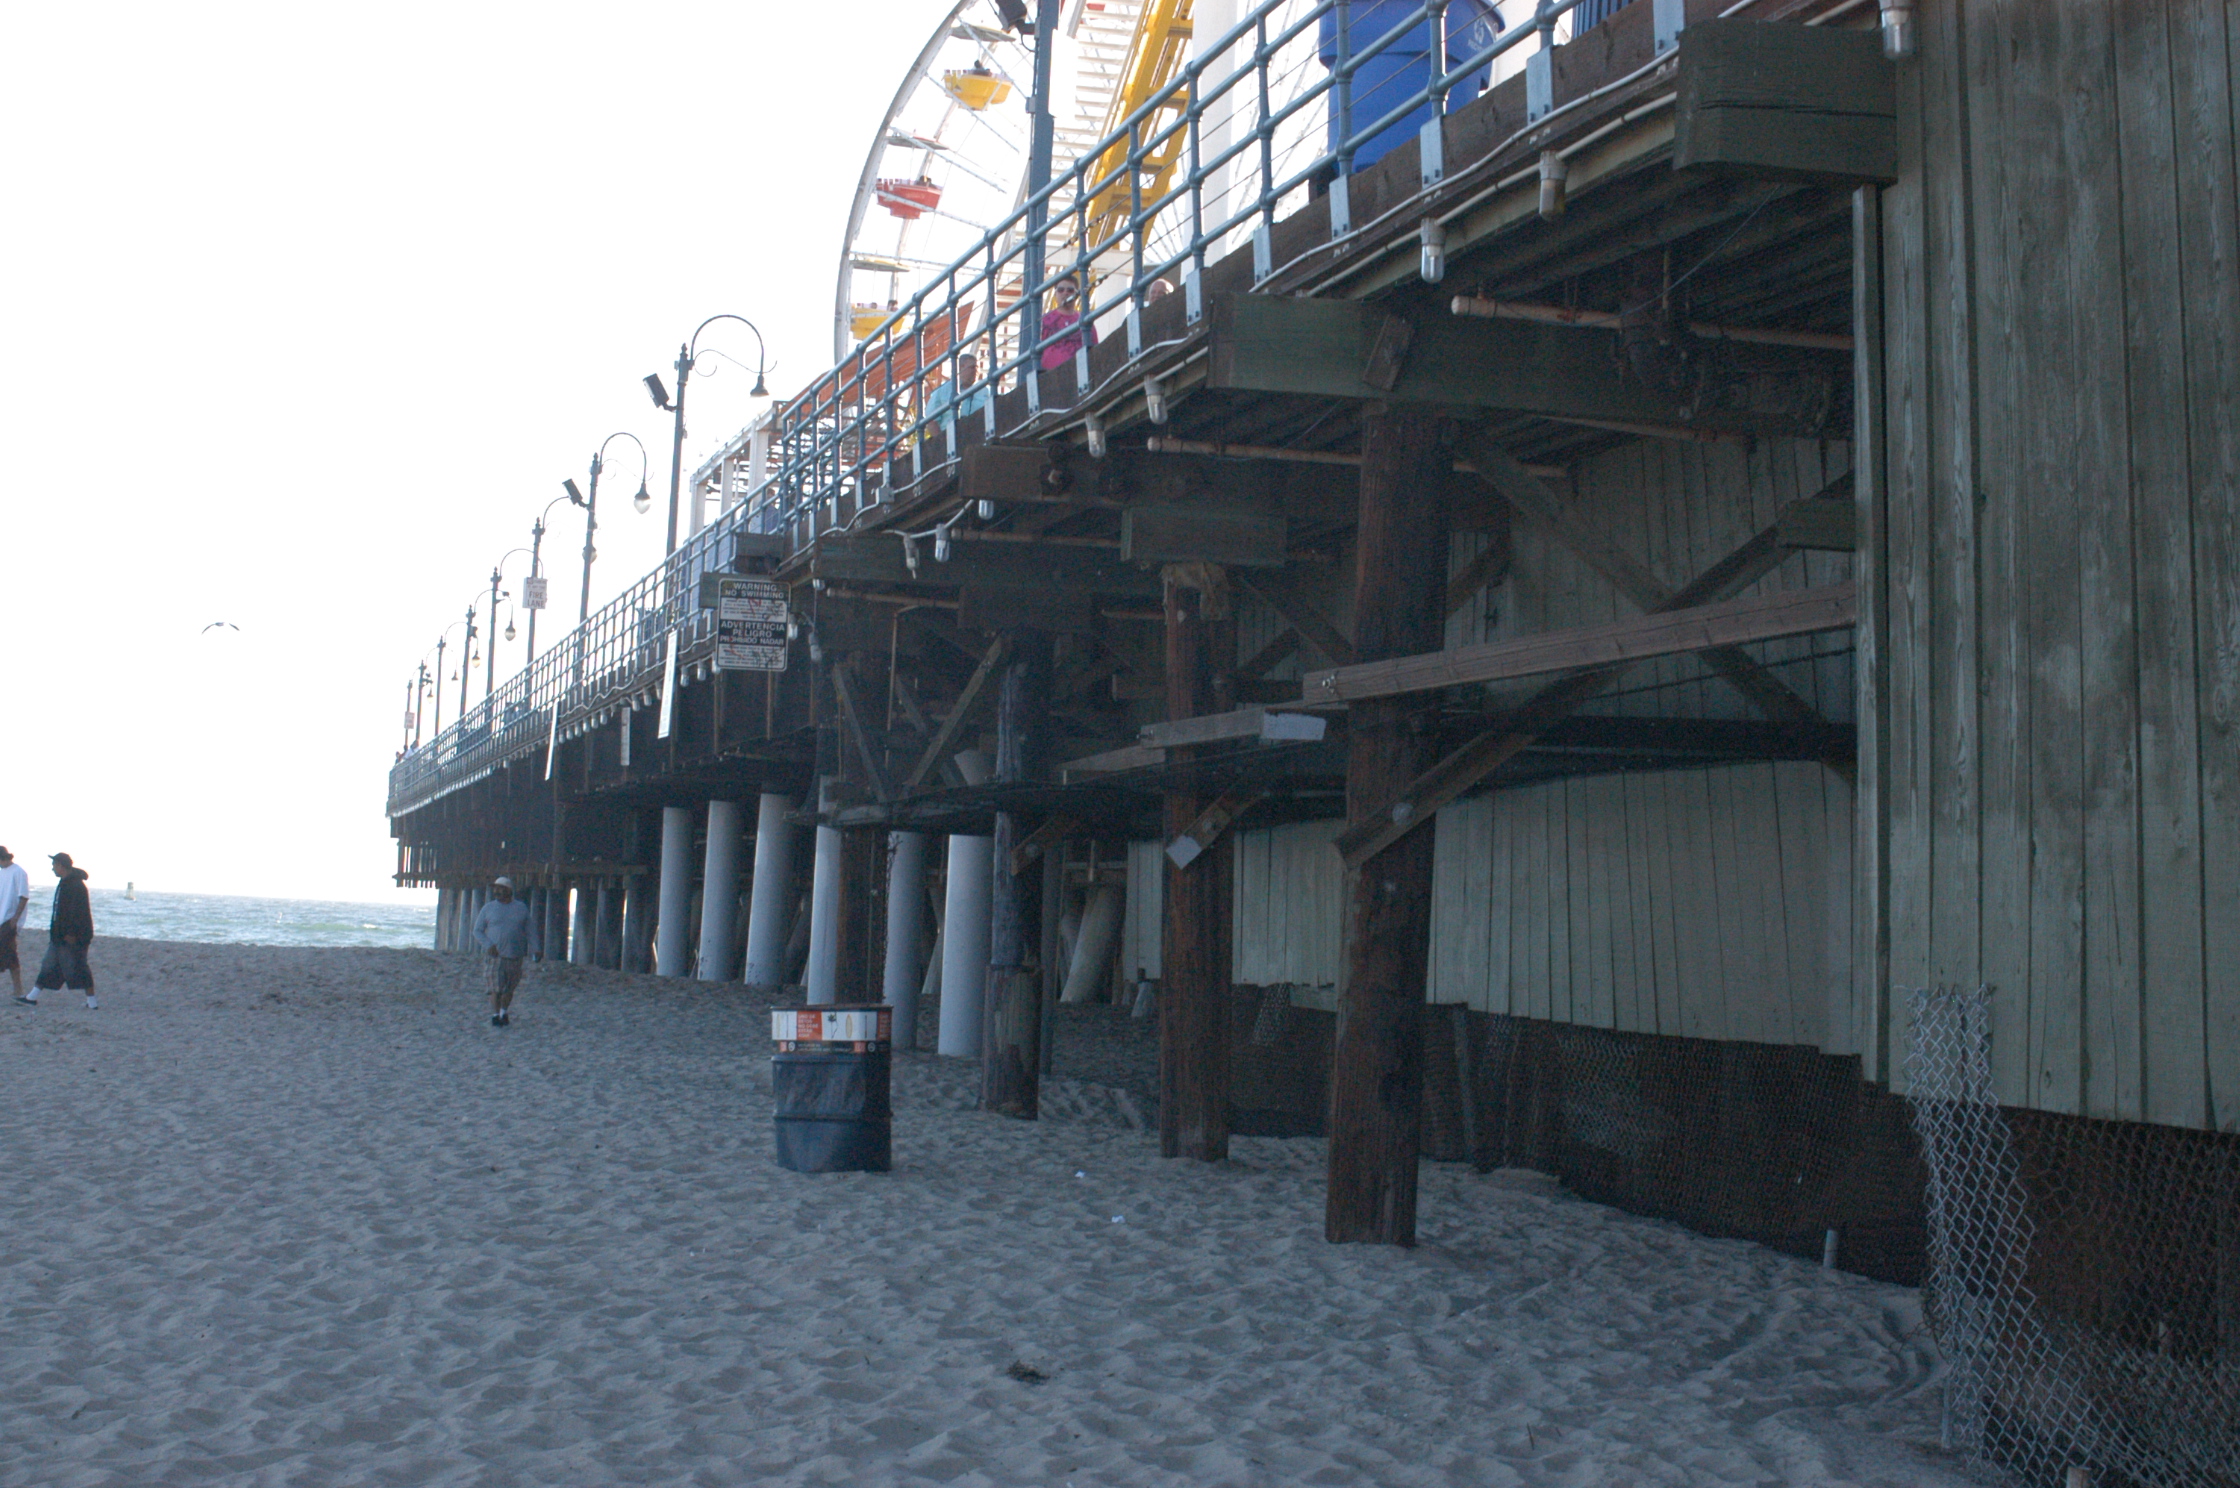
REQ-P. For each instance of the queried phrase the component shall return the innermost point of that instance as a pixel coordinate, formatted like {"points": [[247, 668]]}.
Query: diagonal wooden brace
{"points": [[1300, 614], [938, 749], [1040, 841], [852, 720], [1528, 494], [1451, 777], [1211, 823]]}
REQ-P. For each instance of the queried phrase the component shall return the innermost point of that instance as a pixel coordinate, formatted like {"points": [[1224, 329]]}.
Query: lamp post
{"points": [[419, 701], [536, 568], [442, 641], [496, 594], [466, 663], [687, 355], [590, 505]]}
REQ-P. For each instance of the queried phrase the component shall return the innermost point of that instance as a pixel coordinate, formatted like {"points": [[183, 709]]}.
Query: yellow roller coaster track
{"points": [[1161, 45]]}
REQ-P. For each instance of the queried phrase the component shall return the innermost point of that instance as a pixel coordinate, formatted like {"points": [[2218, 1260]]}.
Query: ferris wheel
{"points": [[949, 161]]}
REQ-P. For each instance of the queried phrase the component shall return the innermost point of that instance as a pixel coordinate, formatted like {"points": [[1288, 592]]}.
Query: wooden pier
{"points": [[1785, 552]]}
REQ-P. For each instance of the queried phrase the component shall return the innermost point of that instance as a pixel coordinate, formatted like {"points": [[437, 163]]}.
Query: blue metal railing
{"points": [[1259, 99]]}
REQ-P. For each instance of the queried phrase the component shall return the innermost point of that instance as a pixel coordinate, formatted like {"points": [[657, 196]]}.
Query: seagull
{"points": [[213, 625]]}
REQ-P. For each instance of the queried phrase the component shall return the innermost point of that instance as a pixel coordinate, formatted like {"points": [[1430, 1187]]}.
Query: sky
{"points": [[306, 312]]}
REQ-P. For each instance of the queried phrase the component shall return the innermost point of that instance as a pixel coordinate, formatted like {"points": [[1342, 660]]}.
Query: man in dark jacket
{"points": [[69, 933]]}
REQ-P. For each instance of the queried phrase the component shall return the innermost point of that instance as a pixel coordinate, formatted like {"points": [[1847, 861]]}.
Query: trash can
{"points": [[832, 1082]]}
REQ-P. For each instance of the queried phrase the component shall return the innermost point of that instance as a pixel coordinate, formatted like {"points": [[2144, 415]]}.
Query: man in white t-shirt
{"points": [[15, 898]]}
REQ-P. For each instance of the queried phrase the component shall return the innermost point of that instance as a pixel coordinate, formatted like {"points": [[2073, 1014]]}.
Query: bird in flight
{"points": [[213, 625]]}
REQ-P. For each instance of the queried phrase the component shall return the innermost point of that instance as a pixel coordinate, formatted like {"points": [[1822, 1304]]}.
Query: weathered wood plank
{"points": [[1801, 818], [1271, 725], [2005, 654], [1695, 870], [1662, 633], [1909, 409], [1502, 856], [2042, 196], [1608, 976], [1954, 801], [2171, 978], [2204, 34], [1641, 1015], [1479, 895], [2089, 355]]}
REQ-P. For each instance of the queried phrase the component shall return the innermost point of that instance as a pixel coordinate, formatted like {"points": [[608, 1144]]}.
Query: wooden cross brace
{"points": [[1454, 775]]}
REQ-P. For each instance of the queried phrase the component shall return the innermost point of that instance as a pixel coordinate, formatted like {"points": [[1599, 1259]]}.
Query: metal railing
{"points": [[1296, 95]]}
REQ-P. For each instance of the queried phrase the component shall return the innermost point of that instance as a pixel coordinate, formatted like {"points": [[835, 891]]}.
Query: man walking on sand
{"points": [[502, 930], [15, 899], [69, 933]]}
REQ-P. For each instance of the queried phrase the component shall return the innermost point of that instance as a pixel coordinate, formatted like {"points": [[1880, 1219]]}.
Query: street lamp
{"points": [[687, 355], [496, 595], [590, 505], [536, 569], [442, 641], [466, 662]]}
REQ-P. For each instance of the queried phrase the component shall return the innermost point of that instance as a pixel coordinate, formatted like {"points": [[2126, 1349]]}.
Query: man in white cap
{"points": [[502, 930]]}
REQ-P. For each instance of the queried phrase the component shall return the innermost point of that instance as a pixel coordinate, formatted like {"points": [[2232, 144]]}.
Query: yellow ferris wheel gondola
{"points": [[975, 87]]}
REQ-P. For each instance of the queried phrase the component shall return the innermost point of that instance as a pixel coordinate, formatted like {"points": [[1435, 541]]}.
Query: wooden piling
{"points": [[1011, 1037], [1376, 1087], [1194, 962]]}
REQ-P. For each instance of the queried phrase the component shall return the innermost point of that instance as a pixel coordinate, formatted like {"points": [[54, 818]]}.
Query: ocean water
{"points": [[235, 919]]}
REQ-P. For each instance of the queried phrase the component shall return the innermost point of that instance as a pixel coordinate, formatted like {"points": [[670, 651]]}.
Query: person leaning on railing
{"points": [[944, 397], [1062, 317]]}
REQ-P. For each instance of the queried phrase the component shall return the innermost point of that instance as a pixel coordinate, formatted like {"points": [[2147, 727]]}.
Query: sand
{"points": [[301, 1216]]}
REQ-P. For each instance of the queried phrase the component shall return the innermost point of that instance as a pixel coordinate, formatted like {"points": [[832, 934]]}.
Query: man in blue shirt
{"points": [[502, 930]]}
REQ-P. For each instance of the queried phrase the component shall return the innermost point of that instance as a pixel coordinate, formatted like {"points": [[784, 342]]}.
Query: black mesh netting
{"points": [[2084, 1276]]}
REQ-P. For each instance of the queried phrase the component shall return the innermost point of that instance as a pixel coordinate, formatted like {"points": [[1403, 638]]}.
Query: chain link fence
{"points": [[2084, 1277]]}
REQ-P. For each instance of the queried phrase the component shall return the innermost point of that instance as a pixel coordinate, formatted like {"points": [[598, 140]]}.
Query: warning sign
{"points": [[750, 624]]}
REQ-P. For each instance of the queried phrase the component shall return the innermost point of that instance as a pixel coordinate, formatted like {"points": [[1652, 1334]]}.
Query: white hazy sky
{"points": [[305, 312]]}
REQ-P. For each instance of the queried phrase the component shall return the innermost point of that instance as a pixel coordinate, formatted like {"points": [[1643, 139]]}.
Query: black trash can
{"points": [[832, 1083]]}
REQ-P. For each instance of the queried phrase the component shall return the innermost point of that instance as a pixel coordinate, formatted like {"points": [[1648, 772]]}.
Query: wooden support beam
{"points": [[1211, 824], [851, 721], [856, 969], [1194, 972], [1489, 568], [1238, 723], [1052, 832], [1456, 774], [1664, 632], [1323, 348], [1209, 534], [998, 652], [1766, 692], [1301, 614], [1036, 561], [1270, 656], [1376, 1083], [1011, 1067], [1106, 762]]}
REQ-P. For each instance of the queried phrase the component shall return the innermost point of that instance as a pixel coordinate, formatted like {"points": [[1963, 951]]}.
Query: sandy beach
{"points": [[301, 1216]]}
